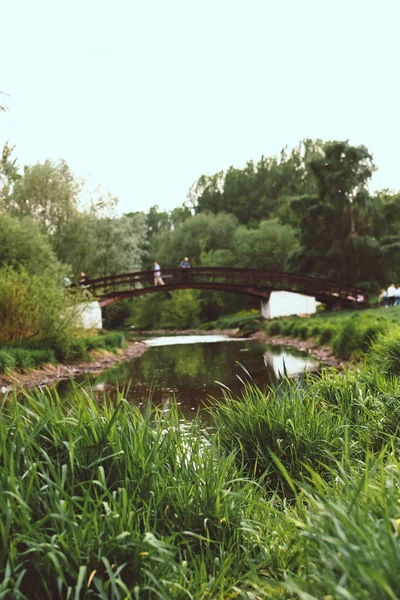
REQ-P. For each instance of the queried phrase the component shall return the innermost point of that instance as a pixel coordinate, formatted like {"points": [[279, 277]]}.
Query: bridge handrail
{"points": [[260, 273]]}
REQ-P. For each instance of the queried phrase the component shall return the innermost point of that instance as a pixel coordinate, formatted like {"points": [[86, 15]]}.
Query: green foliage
{"points": [[384, 353], [257, 191], [151, 506], [288, 423], [182, 311], [246, 321], [17, 359], [195, 237], [274, 327], [47, 193], [22, 244], [115, 315], [29, 356], [349, 334], [269, 246], [7, 361], [34, 306], [147, 311], [350, 535], [131, 503]]}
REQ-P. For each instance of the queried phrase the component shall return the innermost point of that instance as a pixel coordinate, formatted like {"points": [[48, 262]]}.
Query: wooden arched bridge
{"points": [[254, 282]]}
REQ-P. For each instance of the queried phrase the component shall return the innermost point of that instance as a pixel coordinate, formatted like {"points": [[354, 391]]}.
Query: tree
{"points": [[271, 246], [255, 192], [8, 174], [117, 245], [49, 194], [22, 244], [327, 219], [342, 173], [194, 237]]}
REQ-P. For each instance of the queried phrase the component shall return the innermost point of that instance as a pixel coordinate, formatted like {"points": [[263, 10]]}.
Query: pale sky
{"points": [[142, 98]]}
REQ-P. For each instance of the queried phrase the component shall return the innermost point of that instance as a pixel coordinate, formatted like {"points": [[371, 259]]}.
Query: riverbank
{"points": [[49, 374], [101, 360]]}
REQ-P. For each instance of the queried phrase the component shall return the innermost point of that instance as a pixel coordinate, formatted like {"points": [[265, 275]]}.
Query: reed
{"points": [[100, 501], [295, 494]]}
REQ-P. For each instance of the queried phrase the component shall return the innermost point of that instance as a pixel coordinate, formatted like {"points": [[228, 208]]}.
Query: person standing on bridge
{"points": [[157, 274], [84, 285], [185, 266]]}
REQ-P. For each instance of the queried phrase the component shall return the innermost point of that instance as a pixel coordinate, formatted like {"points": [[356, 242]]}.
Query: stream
{"points": [[195, 369]]}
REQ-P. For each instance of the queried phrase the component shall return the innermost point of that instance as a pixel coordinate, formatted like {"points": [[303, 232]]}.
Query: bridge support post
{"points": [[284, 304], [265, 310]]}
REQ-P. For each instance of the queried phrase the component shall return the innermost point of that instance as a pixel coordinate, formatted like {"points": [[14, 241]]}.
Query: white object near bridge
{"points": [[284, 304], [90, 313]]}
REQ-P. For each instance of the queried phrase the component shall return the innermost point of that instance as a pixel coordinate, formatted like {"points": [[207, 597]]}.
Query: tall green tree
{"points": [[257, 191], [270, 246], [328, 218], [23, 244], [49, 194]]}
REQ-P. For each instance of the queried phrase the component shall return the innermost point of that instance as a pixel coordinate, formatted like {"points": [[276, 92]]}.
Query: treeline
{"points": [[308, 211]]}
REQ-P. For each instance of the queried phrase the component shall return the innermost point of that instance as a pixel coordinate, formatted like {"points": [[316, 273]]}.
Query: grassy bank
{"points": [[294, 495], [350, 334], [30, 355]]}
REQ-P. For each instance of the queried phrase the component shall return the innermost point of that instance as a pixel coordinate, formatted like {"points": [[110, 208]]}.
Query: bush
{"points": [[34, 307], [7, 361], [287, 327], [115, 315], [42, 357], [114, 340], [274, 328]]}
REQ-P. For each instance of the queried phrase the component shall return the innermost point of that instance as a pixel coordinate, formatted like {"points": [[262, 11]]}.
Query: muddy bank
{"points": [[322, 353], [49, 374]]}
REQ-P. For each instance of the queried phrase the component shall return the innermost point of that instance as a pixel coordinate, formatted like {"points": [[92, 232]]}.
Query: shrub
{"points": [[34, 307], [274, 328], [287, 327], [23, 358], [115, 315], [7, 361], [44, 356]]}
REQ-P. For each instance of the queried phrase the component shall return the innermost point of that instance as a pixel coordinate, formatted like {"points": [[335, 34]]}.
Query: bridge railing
{"points": [[259, 278]]}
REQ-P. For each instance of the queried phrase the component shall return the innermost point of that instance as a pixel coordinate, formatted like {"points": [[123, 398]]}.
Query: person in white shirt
{"points": [[397, 297], [391, 294], [157, 274]]}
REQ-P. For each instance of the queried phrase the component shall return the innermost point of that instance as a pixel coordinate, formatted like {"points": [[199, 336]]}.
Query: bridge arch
{"points": [[253, 282]]}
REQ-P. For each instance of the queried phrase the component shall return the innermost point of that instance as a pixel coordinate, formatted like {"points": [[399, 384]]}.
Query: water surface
{"points": [[195, 370]]}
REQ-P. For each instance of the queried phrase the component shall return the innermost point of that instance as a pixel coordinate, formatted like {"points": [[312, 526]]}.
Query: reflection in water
{"points": [[194, 372], [285, 362]]}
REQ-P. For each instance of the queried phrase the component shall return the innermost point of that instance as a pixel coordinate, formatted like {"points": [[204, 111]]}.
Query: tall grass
{"points": [[350, 534], [325, 420], [295, 494], [107, 503], [349, 334]]}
